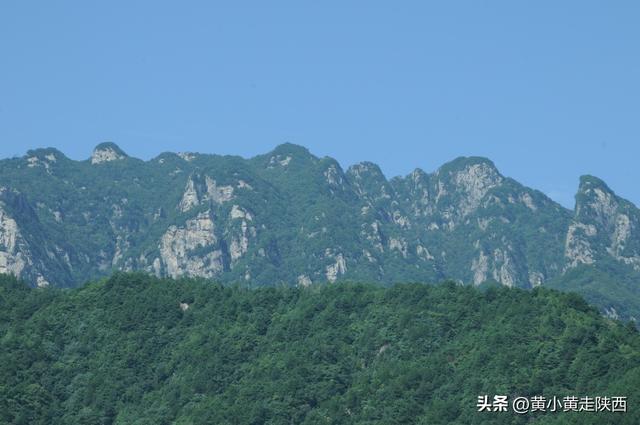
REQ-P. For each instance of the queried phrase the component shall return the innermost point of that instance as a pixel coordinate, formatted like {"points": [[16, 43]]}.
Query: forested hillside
{"points": [[289, 217], [138, 349]]}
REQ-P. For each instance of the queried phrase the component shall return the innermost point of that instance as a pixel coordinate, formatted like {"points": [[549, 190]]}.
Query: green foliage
{"points": [[610, 286], [82, 221], [123, 351], [79, 221]]}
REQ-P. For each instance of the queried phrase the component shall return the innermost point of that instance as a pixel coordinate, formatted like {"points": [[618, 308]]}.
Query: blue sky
{"points": [[548, 90]]}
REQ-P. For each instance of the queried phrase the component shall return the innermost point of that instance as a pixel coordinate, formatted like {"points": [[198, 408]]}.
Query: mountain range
{"points": [[290, 218]]}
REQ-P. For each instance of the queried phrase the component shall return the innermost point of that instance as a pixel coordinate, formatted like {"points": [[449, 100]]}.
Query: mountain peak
{"points": [[472, 174], [44, 154], [588, 182], [45, 151], [107, 152], [464, 162], [596, 200], [594, 193], [291, 149], [365, 168], [284, 154]]}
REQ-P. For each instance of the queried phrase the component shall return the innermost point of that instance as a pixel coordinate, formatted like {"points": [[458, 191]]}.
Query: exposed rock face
{"points": [[281, 160], [240, 235], [424, 253], [42, 160], [480, 268], [536, 278], [178, 248], [187, 156], [339, 267], [240, 244], [504, 272], [41, 282], [457, 189], [577, 246], [604, 226], [218, 193], [611, 313], [106, 152], [475, 181], [399, 245], [13, 259], [334, 176], [25, 248], [304, 280], [199, 190], [527, 199], [369, 182], [190, 197], [290, 217]]}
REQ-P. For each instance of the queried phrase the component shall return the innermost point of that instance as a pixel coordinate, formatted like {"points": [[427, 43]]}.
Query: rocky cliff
{"points": [[289, 217]]}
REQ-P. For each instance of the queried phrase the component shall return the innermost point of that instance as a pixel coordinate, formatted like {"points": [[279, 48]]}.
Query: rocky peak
{"points": [[417, 182], [469, 173], [187, 156], [418, 177], [291, 149], [46, 154], [596, 201], [333, 173], [369, 181], [287, 157], [285, 153], [107, 152], [603, 225], [200, 188], [365, 171], [44, 158], [466, 180]]}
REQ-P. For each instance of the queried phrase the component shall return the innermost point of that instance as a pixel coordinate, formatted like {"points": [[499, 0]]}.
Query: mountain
{"points": [[602, 249], [291, 218], [134, 349]]}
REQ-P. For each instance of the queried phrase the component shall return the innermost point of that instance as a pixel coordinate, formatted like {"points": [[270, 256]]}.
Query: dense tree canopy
{"points": [[136, 349]]}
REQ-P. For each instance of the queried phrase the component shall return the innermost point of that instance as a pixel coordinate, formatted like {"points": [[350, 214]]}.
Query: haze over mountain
{"points": [[289, 217]]}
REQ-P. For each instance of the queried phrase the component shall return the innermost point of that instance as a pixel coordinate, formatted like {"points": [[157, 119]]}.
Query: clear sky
{"points": [[549, 90]]}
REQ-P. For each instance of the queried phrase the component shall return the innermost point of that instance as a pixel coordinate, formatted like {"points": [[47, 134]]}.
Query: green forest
{"points": [[134, 349]]}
